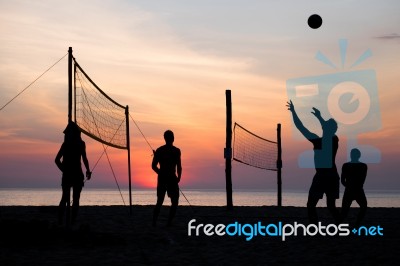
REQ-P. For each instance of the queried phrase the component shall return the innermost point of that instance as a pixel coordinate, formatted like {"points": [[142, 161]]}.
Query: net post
{"points": [[69, 84], [128, 145], [228, 151], [74, 104], [279, 165]]}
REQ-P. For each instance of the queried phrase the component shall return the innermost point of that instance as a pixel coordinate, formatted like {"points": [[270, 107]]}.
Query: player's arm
{"points": [[299, 125], [86, 161], [154, 163], [58, 158], [343, 177], [364, 173], [317, 114], [179, 167]]}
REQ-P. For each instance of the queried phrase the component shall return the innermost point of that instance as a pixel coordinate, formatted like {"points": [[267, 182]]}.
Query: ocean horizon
{"points": [[194, 197]]}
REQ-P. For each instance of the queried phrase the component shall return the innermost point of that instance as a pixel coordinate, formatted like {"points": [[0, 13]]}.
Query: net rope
{"points": [[253, 150], [97, 114], [30, 84]]}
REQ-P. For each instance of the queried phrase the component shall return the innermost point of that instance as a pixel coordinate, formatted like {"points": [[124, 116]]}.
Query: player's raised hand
{"points": [[316, 112], [290, 106]]}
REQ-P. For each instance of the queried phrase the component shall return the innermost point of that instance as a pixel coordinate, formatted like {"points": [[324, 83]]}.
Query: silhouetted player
{"points": [[169, 175], [71, 152], [353, 178], [326, 178]]}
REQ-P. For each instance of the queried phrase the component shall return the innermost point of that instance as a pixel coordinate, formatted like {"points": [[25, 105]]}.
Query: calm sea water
{"points": [[105, 197]]}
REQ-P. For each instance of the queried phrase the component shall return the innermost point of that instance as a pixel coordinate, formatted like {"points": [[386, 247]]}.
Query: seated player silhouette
{"points": [[72, 151], [326, 178], [353, 178], [169, 175]]}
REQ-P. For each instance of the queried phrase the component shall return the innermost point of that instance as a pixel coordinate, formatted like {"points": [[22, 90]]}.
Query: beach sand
{"points": [[109, 235]]}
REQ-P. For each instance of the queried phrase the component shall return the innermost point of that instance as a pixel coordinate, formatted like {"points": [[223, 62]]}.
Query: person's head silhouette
{"points": [[355, 155], [169, 137], [330, 127], [72, 132]]}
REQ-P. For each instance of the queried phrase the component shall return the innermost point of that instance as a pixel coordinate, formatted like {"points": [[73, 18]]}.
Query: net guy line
{"points": [[47, 70], [141, 133]]}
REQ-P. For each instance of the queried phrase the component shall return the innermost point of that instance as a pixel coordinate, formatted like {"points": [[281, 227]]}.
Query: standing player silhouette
{"points": [[326, 178], [169, 175], [72, 151], [353, 178]]}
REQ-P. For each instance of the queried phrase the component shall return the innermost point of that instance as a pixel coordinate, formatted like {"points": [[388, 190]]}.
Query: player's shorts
{"points": [[169, 185], [76, 180], [325, 182], [354, 194]]}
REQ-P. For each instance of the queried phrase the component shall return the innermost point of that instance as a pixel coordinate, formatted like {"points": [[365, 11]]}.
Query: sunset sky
{"points": [[171, 62]]}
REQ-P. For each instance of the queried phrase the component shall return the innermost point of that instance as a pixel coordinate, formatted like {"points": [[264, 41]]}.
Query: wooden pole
{"points": [[68, 211], [69, 84], [74, 93], [228, 151], [128, 144], [279, 165]]}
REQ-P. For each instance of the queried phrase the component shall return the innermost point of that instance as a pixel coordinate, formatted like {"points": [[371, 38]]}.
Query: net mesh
{"points": [[98, 116], [253, 150]]}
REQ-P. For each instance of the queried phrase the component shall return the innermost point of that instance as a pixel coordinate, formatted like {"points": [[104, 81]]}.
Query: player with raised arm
{"points": [[326, 178]]}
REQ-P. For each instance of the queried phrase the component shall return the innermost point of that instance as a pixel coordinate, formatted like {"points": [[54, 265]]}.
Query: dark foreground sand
{"points": [[110, 236]]}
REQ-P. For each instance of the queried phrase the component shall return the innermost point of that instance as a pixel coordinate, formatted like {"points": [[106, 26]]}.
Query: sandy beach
{"points": [[111, 236]]}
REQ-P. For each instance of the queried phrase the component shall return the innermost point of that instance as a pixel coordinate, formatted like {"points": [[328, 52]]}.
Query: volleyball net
{"points": [[253, 150], [96, 113], [98, 116]]}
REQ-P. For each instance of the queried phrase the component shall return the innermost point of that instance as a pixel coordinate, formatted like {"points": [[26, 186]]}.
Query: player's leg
{"points": [[332, 193], [362, 201], [76, 195], [346, 203], [65, 198], [173, 191], [314, 195], [331, 204], [161, 189], [312, 209]]}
